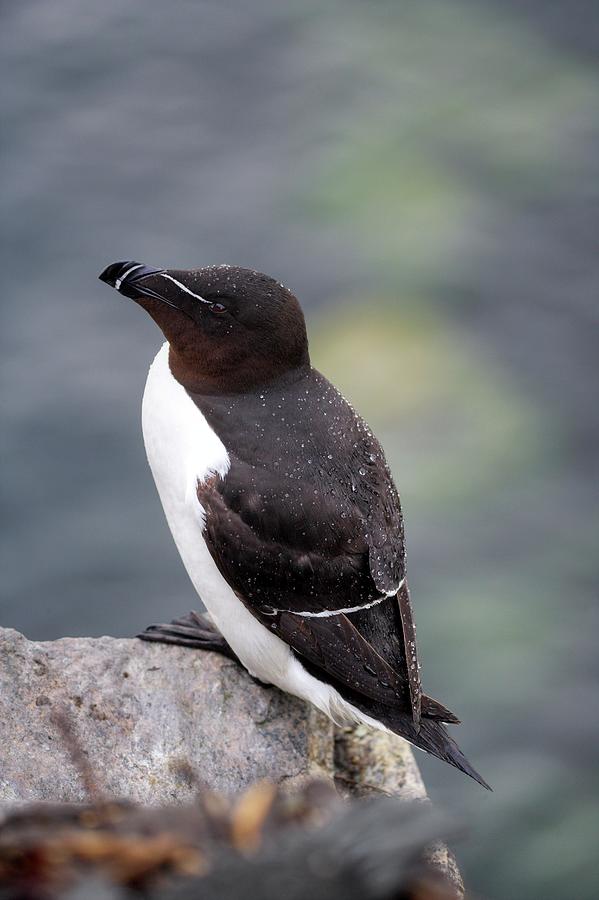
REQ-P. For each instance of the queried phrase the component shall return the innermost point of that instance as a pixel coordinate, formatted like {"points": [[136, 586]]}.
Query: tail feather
{"points": [[434, 739], [431, 736]]}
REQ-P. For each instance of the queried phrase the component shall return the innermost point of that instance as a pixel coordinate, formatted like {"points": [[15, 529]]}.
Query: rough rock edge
{"points": [[373, 762]]}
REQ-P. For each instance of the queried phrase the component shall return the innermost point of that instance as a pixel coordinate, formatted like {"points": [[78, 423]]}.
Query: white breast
{"points": [[183, 450]]}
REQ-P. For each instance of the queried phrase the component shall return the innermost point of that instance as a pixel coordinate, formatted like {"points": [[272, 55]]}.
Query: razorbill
{"points": [[281, 504]]}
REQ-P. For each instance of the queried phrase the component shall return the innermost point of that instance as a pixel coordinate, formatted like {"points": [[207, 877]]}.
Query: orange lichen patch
{"points": [[130, 859], [249, 816], [124, 859]]}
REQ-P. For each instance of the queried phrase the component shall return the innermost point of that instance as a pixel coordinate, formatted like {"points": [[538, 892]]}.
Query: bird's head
{"points": [[229, 329]]}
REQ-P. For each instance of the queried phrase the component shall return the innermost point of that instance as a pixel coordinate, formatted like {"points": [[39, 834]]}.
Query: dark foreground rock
{"points": [[267, 843]]}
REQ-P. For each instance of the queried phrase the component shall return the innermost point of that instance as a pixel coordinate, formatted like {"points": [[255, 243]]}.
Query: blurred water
{"points": [[425, 177], [153, 136]]}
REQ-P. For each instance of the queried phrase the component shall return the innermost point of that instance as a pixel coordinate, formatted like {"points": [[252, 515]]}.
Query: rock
{"points": [[373, 762], [368, 763], [153, 720], [150, 722], [307, 840]]}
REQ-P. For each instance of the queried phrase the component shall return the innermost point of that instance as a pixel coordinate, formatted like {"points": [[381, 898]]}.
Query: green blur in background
{"points": [[472, 122], [426, 176]]}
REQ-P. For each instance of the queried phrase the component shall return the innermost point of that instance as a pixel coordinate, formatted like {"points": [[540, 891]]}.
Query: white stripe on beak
{"points": [[120, 280]]}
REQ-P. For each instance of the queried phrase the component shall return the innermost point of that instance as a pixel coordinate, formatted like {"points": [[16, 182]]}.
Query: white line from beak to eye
{"points": [[120, 280], [183, 288]]}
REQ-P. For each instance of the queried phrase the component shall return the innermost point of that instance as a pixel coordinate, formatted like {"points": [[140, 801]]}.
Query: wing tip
{"points": [[432, 709]]}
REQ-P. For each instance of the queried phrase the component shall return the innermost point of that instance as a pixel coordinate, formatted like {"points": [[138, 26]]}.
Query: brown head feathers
{"points": [[230, 329]]}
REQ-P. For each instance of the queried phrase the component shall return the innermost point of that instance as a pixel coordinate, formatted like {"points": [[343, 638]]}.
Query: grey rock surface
{"points": [[149, 719], [152, 721]]}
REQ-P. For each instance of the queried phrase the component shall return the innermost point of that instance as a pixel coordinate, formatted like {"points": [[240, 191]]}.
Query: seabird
{"points": [[281, 504]]}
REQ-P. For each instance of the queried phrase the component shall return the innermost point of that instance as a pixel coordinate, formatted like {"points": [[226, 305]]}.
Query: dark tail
{"points": [[434, 739]]}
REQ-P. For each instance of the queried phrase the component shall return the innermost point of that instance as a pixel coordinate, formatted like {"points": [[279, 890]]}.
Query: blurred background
{"points": [[425, 176]]}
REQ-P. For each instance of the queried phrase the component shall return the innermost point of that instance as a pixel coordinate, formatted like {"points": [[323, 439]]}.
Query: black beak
{"points": [[138, 282], [126, 278]]}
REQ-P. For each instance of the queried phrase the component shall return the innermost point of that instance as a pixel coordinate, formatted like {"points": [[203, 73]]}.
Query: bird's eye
{"points": [[218, 308]]}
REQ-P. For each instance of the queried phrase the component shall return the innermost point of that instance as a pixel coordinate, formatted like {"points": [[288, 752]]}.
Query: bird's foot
{"points": [[193, 630]]}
